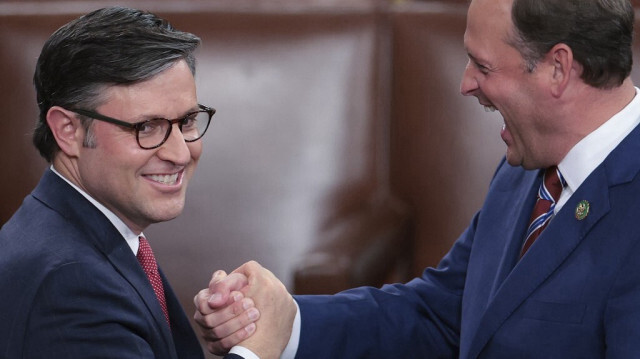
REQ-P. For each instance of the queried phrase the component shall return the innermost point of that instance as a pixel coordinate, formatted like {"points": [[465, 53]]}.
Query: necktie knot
{"points": [[552, 184], [149, 265], [548, 195]]}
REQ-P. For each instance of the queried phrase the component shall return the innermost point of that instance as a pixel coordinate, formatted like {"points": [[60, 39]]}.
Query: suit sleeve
{"points": [[622, 315], [420, 319], [85, 311]]}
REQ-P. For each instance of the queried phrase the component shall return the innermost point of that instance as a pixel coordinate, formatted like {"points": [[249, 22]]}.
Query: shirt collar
{"points": [[591, 151], [126, 232]]}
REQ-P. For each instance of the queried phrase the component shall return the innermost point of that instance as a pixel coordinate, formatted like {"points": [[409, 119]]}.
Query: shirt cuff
{"points": [[292, 347], [289, 351], [243, 352]]}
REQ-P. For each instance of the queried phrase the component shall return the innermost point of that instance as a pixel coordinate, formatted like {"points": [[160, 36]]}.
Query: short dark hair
{"points": [[110, 46], [599, 32]]}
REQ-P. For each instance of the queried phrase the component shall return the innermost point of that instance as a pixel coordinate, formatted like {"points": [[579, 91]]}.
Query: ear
{"points": [[66, 129], [561, 58]]}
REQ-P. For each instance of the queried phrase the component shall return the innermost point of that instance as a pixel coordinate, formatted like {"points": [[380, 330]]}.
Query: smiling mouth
{"points": [[170, 179], [489, 108]]}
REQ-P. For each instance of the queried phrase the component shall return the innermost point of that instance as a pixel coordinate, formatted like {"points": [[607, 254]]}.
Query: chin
{"points": [[163, 217], [167, 211], [514, 162]]}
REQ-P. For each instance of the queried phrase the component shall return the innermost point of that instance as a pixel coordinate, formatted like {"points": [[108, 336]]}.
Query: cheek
{"points": [[113, 163], [195, 150]]}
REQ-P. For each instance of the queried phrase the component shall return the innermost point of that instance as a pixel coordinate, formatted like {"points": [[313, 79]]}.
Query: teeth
{"points": [[489, 109], [165, 179]]}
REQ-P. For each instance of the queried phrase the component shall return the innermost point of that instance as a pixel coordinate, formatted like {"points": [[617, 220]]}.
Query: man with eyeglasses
{"points": [[120, 125]]}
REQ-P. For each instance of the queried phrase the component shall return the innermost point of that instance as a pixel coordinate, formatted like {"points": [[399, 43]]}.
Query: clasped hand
{"points": [[250, 300]]}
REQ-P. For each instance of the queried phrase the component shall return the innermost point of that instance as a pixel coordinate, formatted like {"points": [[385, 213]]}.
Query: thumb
{"points": [[222, 285]]}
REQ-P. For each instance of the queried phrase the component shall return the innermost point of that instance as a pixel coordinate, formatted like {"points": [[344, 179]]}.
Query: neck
{"points": [[585, 109], [597, 106]]}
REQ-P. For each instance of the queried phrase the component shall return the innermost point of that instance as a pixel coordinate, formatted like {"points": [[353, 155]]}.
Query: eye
{"points": [[483, 69], [150, 127], [191, 121]]}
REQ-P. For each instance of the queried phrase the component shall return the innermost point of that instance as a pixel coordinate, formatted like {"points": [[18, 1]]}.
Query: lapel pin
{"points": [[582, 210]]}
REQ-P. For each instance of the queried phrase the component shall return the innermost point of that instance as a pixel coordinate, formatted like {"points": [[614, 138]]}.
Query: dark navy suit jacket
{"points": [[70, 286], [575, 294]]}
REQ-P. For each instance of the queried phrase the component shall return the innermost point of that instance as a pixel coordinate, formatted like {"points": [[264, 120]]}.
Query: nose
{"points": [[175, 148], [468, 84]]}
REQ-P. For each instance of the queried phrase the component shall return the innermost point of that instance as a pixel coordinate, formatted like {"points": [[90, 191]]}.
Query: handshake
{"points": [[248, 307]]}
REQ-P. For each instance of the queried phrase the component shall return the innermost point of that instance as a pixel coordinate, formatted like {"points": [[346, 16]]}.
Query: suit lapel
{"points": [[515, 230], [57, 194], [554, 245], [512, 195], [185, 339], [127, 265], [563, 234]]}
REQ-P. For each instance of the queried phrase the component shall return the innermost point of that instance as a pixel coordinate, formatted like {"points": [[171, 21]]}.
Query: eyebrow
{"points": [[470, 55], [152, 117]]}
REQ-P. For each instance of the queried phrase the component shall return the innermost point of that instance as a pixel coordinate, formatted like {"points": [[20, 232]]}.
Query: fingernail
{"points": [[250, 328], [236, 297], [215, 298], [246, 304], [253, 313], [216, 275]]}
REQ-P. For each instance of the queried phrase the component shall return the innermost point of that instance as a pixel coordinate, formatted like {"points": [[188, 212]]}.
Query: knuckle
{"points": [[250, 316], [237, 296], [218, 332], [200, 301], [197, 299], [198, 318], [210, 321], [240, 335], [237, 309]]}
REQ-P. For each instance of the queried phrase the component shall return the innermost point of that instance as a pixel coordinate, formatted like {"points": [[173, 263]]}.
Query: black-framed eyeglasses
{"points": [[153, 133]]}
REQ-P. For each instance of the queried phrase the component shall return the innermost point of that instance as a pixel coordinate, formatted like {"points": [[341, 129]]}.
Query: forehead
{"points": [[488, 26], [169, 93]]}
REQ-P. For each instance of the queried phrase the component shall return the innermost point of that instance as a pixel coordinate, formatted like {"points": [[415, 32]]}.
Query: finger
{"points": [[260, 279], [211, 318], [222, 346], [217, 276], [251, 270], [229, 319], [221, 289], [228, 328], [201, 302], [248, 268]]}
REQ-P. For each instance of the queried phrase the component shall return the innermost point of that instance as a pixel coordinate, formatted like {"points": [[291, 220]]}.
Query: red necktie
{"points": [[548, 196], [148, 262]]}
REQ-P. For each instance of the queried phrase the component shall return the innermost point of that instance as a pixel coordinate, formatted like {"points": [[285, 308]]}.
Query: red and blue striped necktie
{"points": [[548, 195]]}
